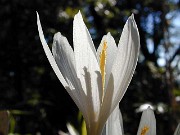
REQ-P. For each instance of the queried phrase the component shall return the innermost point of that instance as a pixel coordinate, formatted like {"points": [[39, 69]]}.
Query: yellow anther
{"points": [[144, 130], [103, 56]]}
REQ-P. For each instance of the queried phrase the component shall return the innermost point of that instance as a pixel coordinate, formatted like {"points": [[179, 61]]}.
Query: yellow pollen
{"points": [[103, 56], [144, 130]]}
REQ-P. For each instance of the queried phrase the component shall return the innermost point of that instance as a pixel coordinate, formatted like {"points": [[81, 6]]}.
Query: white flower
{"points": [[147, 124], [96, 81], [114, 124]]}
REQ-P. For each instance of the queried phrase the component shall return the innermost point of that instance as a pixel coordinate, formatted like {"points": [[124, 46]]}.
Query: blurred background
{"points": [[30, 90]]}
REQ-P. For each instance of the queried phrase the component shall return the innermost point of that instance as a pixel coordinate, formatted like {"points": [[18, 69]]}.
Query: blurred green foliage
{"points": [[29, 85]]}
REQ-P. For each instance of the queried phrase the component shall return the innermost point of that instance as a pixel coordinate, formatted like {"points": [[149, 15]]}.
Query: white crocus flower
{"points": [[96, 81], [147, 124]]}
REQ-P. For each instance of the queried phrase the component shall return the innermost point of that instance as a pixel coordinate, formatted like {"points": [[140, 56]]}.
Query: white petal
{"points": [[177, 131], [87, 66], [107, 102], [71, 129], [125, 61], [62, 133], [52, 60], [64, 57], [49, 54], [114, 124], [74, 94], [111, 53], [147, 123]]}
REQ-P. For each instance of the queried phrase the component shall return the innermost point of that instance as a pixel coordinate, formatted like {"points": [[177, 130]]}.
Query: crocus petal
{"points": [[74, 94], [147, 124], [62, 133], [122, 69], [71, 129], [125, 61], [177, 131], [64, 57], [87, 67], [114, 124], [49, 54], [107, 102], [111, 52]]}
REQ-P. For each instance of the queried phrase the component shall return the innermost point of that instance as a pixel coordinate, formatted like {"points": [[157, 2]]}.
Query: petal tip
{"points": [[78, 14], [56, 35], [78, 17], [132, 16], [150, 108], [37, 15], [109, 34]]}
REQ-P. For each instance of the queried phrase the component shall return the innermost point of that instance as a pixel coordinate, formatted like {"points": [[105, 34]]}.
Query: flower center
{"points": [[144, 130], [103, 56]]}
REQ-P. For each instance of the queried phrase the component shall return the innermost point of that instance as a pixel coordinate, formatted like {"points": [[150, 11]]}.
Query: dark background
{"points": [[36, 99]]}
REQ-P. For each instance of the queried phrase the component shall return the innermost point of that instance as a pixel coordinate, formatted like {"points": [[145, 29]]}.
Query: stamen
{"points": [[103, 56], [144, 130]]}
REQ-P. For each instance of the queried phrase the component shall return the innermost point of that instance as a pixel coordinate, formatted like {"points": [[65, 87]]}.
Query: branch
{"points": [[175, 54]]}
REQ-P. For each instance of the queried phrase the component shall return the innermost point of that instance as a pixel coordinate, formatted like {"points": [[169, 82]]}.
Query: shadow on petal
{"points": [[106, 108]]}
